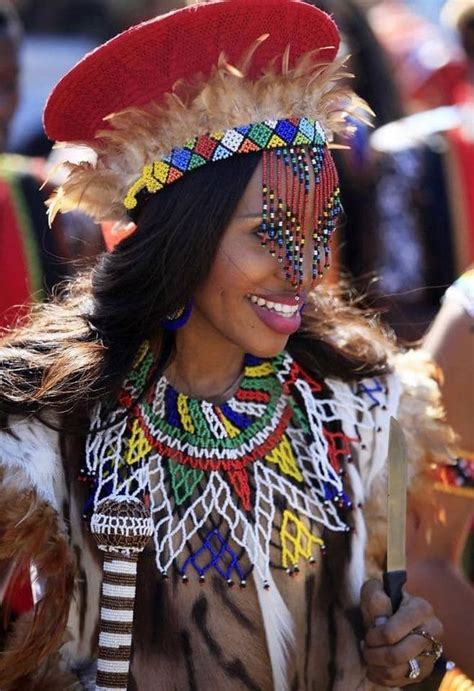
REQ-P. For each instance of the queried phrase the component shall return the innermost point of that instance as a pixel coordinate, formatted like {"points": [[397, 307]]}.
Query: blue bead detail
{"points": [[221, 152], [307, 128], [180, 159], [171, 407], [240, 420], [252, 360], [171, 324], [243, 130], [371, 390], [216, 554], [286, 130]]}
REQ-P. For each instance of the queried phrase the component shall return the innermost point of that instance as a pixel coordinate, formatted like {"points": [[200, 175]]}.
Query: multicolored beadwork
{"points": [[213, 475]]}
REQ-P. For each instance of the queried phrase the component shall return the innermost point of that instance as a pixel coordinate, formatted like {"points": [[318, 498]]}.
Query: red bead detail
{"points": [[336, 452], [248, 395], [296, 372], [239, 482]]}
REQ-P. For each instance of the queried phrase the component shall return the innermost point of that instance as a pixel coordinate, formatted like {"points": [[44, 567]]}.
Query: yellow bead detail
{"points": [[296, 540], [138, 445], [262, 370], [183, 411], [231, 429], [284, 457], [161, 171], [276, 142], [146, 180], [142, 351]]}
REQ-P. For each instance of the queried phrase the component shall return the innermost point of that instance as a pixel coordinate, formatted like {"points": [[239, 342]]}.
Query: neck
{"points": [[204, 367]]}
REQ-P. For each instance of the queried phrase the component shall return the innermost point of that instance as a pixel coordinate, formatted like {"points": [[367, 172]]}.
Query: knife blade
{"points": [[395, 576]]}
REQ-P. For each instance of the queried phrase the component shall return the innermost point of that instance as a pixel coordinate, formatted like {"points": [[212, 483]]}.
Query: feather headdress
{"points": [[227, 99]]}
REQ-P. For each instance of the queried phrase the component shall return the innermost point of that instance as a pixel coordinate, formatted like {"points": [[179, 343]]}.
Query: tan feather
{"points": [[226, 98]]}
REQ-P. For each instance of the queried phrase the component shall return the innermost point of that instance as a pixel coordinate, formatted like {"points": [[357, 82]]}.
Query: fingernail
{"points": [[380, 621]]}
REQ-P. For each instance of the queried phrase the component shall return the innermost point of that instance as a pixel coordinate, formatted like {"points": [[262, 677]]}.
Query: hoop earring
{"points": [[177, 319]]}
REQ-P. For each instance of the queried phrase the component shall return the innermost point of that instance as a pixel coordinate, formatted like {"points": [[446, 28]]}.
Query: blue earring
{"points": [[179, 318]]}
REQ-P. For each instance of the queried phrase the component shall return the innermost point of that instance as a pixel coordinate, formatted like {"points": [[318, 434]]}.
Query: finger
{"points": [[398, 676], [393, 655], [414, 613], [374, 603]]}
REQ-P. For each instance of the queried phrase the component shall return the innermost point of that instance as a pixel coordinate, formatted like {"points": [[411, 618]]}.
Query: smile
{"points": [[287, 311]]}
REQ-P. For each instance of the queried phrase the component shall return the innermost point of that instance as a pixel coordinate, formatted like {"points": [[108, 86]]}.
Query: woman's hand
{"points": [[390, 640]]}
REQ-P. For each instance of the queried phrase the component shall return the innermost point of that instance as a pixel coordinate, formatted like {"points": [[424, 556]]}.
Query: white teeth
{"points": [[279, 307]]}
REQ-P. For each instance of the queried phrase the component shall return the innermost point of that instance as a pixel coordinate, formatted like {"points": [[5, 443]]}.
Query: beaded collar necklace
{"points": [[189, 458], [267, 458]]}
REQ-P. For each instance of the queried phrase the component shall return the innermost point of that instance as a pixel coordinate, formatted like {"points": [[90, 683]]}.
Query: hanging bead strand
{"points": [[264, 239], [280, 213]]}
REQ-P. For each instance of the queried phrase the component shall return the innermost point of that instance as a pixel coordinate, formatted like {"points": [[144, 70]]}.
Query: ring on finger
{"points": [[437, 648], [414, 671]]}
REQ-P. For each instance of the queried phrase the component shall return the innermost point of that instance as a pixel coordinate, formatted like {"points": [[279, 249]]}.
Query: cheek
{"points": [[237, 270]]}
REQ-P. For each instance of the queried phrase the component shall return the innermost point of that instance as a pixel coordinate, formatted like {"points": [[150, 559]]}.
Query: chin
{"points": [[267, 350]]}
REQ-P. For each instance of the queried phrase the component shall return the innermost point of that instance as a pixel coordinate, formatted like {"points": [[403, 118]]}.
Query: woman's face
{"points": [[246, 300]]}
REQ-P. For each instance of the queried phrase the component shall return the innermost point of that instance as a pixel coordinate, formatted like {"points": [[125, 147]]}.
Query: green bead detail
{"points": [[196, 161], [138, 376], [299, 416], [199, 421], [183, 481]]}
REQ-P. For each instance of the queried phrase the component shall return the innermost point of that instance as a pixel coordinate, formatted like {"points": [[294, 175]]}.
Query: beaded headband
{"points": [[217, 146]]}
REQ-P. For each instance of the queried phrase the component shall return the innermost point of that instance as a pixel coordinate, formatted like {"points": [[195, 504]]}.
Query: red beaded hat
{"points": [[196, 86], [144, 63]]}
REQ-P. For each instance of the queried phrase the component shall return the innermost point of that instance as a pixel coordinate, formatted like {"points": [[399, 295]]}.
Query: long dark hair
{"points": [[78, 347]]}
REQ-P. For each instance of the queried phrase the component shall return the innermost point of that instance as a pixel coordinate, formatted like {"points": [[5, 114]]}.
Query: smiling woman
{"points": [[200, 404]]}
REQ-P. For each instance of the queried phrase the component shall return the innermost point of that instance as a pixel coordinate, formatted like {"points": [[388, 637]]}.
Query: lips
{"points": [[282, 314]]}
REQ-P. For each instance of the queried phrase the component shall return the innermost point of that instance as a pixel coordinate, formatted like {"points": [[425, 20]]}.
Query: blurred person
{"points": [[442, 522], [10, 33], [427, 65], [33, 258]]}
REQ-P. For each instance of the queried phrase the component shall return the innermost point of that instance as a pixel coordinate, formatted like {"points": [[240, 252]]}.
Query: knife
{"points": [[395, 576]]}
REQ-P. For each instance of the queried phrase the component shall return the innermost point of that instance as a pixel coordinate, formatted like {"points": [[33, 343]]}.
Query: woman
{"points": [[206, 395]]}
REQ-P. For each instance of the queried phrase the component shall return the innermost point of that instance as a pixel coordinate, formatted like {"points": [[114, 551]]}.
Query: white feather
{"points": [[279, 630], [356, 575], [31, 451]]}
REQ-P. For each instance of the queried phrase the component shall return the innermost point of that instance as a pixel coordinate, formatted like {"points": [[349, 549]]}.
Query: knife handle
{"points": [[393, 582]]}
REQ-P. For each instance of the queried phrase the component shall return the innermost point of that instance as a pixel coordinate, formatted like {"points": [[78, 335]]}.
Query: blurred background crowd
{"points": [[407, 182]]}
